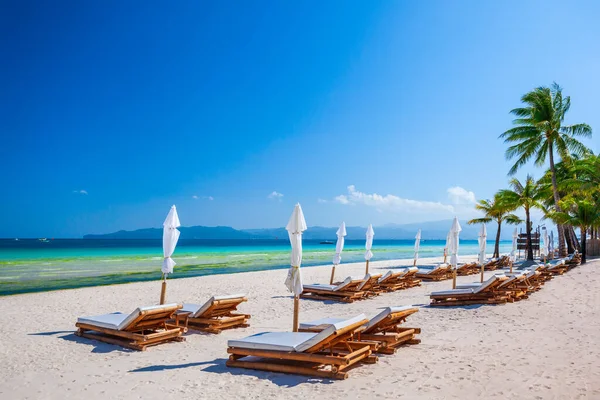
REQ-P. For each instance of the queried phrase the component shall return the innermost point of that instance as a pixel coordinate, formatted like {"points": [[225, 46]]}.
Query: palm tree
{"points": [[583, 213], [539, 131], [495, 210], [526, 195]]}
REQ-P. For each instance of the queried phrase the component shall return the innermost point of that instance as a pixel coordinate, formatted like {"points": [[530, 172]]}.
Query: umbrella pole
{"points": [[163, 290], [511, 265], [296, 310], [482, 269], [332, 274], [453, 278], [415, 262], [367, 268], [445, 255]]}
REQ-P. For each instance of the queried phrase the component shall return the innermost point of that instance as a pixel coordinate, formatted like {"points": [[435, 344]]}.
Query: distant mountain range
{"points": [[429, 231]]}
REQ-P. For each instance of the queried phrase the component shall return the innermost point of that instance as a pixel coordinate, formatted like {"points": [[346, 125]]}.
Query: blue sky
{"points": [[367, 112]]}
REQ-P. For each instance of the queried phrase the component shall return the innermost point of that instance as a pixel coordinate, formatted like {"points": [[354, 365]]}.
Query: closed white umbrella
{"points": [[544, 246], [482, 244], [453, 248], [551, 245], [170, 238], [295, 227], [513, 253], [417, 243], [446, 246], [368, 245], [339, 246]]}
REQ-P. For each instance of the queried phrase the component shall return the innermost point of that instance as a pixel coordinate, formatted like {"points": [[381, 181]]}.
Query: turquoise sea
{"points": [[29, 265]]}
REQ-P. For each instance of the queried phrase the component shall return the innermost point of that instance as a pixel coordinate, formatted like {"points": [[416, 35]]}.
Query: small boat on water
{"points": [[43, 240], [326, 242]]}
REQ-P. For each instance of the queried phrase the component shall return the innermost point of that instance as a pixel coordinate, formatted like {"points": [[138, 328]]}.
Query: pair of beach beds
{"points": [[148, 326], [327, 347], [359, 288]]}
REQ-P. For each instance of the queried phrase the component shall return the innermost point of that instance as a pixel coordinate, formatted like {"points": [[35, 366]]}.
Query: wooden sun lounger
{"points": [[346, 291], [466, 269], [573, 261], [403, 279], [439, 273], [504, 262], [384, 329], [327, 354], [370, 285], [486, 293], [217, 314], [491, 265], [146, 326], [516, 287], [556, 267]]}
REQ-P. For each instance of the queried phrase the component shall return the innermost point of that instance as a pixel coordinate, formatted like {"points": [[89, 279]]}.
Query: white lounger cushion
{"points": [[366, 279], [119, 321], [489, 282], [291, 341], [453, 292], [464, 286], [436, 269], [386, 276], [373, 322], [333, 288], [383, 315], [197, 310]]}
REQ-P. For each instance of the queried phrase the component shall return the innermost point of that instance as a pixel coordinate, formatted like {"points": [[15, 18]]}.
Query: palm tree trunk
{"points": [[528, 233], [569, 240], [562, 251], [497, 245], [583, 244], [575, 243]]}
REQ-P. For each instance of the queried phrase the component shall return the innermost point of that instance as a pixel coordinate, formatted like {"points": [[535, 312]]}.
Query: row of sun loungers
{"points": [[326, 347], [358, 288]]}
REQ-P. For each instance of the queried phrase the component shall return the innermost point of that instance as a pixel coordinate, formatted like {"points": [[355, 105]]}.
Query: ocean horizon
{"points": [[30, 265]]}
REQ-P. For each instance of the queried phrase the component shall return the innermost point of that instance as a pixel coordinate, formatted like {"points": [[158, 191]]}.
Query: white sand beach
{"points": [[545, 347]]}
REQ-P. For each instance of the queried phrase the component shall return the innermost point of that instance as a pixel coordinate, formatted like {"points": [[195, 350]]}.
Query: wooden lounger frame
{"points": [[488, 296], [440, 275], [148, 329], [219, 316], [466, 269], [400, 281], [348, 295], [389, 335], [330, 358]]}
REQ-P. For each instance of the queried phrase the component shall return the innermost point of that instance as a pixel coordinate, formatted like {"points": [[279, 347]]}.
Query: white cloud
{"points": [[203, 197], [390, 202], [322, 201], [275, 195], [210, 198], [458, 195], [195, 197], [80, 191]]}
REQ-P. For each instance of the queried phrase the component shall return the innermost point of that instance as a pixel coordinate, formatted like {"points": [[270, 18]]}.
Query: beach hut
{"points": [[296, 225], [170, 238]]}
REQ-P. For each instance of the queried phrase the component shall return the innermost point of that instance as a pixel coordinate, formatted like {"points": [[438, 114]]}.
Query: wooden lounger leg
{"points": [[290, 369]]}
